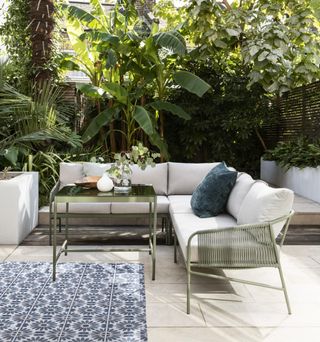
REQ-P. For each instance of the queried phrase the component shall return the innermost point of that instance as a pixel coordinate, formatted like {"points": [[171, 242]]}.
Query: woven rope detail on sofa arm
{"points": [[242, 246]]}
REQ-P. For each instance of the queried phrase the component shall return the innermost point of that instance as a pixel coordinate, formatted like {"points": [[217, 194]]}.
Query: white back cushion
{"points": [[95, 169], [185, 177], [241, 188], [70, 172], [263, 203], [157, 176]]}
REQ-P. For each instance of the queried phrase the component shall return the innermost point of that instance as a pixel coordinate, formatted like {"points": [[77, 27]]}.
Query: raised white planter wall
{"points": [[19, 203], [304, 182]]}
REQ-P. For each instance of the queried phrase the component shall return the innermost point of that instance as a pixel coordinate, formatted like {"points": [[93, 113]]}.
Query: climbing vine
{"points": [[16, 38], [31, 42]]}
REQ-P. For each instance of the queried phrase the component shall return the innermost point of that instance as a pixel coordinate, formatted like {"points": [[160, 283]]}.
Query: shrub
{"points": [[299, 153]]}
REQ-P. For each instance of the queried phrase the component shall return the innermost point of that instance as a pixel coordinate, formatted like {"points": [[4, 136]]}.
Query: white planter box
{"points": [[304, 182], [19, 203]]}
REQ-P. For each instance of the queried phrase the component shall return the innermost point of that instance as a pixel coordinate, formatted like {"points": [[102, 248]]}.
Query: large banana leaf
{"points": [[74, 12], [99, 36], [84, 57], [99, 12], [143, 119], [118, 92], [98, 122], [170, 107], [90, 90], [171, 40], [156, 140], [191, 82]]}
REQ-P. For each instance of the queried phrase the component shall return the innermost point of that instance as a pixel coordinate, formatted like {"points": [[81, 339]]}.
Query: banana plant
{"points": [[136, 72]]}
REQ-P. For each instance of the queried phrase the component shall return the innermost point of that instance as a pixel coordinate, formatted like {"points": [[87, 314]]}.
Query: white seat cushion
{"points": [[186, 224], [70, 172], [241, 188], [95, 169], [263, 203], [185, 177], [180, 204], [85, 208], [157, 176], [140, 208]]}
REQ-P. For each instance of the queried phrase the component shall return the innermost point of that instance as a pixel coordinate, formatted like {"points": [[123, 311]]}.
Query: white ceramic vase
{"points": [[105, 183]]}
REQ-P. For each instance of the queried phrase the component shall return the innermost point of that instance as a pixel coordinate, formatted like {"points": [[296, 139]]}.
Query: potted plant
{"points": [[121, 172], [294, 165]]}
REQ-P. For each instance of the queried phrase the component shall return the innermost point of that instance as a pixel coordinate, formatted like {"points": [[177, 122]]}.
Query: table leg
{"points": [[66, 229], [54, 243], [50, 224], [150, 227], [154, 236]]}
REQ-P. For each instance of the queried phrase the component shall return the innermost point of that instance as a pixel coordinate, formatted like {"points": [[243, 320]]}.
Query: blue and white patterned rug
{"points": [[87, 302]]}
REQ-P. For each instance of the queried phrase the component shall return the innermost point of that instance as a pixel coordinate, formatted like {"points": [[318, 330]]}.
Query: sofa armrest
{"points": [[248, 245]]}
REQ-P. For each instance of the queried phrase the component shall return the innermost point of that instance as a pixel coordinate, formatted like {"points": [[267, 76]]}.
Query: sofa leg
{"points": [[60, 224], [175, 249], [170, 232], [188, 288]]}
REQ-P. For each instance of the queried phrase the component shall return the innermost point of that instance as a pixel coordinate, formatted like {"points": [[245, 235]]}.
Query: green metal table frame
{"points": [[77, 194]]}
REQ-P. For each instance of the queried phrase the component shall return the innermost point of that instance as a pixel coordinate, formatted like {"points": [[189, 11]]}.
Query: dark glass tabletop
{"points": [[137, 190]]}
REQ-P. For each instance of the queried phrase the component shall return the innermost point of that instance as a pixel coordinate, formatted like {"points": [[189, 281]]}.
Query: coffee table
{"points": [[78, 194]]}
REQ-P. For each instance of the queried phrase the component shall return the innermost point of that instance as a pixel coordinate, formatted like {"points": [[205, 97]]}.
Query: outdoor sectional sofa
{"points": [[241, 237]]}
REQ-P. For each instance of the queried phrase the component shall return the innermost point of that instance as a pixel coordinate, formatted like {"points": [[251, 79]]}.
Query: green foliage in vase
{"points": [[298, 153], [139, 155]]}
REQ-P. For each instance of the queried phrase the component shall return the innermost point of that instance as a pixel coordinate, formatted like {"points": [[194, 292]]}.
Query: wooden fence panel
{"points": [[297, 113]]}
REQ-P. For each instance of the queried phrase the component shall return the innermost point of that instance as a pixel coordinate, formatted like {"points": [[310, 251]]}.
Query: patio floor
{"points": [[221, 311]]}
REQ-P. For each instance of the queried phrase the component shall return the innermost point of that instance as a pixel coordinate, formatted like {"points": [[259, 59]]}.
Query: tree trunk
{"points": [[41, 26]]}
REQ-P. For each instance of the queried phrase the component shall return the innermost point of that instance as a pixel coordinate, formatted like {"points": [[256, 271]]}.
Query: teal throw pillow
{"points": [[211, 195]]}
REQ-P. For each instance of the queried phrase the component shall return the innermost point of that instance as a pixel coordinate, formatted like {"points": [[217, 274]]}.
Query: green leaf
{"points": [[90, 90], [232, 32], [111, 60], [263, 56], [219, 43], [170, 107], [68, 64], [11, 154], [253, 50], [118, 92], [191, 82], [156, 140], [98, 36], [143, 119], [171, 40], [80, 14], [98, 122]]}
